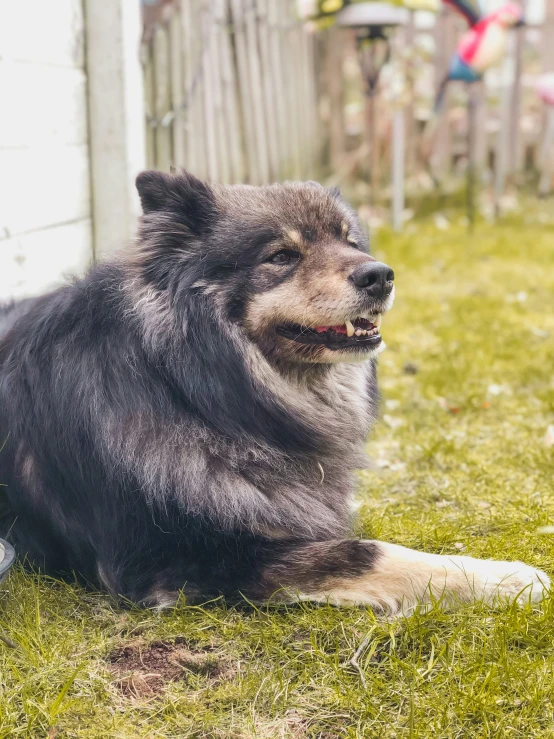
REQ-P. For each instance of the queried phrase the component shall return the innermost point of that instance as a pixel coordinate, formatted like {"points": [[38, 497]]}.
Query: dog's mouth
{"points": [[357, 334]]}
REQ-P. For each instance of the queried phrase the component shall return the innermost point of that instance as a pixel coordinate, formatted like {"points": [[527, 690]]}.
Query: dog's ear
{"points": [[182, 194], [334, 192], [154, 189]]}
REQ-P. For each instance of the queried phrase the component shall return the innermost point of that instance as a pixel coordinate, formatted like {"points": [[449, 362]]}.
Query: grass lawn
{"points": [[460, 463]]}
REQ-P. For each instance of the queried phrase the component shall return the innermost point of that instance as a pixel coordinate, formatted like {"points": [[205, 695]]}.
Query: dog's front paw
{"points": [[497, 581], [413, 579]]}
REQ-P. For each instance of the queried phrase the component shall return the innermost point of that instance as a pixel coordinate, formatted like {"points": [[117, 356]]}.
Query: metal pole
{"points": [[374, 151], [398, 147], [471, 138]]}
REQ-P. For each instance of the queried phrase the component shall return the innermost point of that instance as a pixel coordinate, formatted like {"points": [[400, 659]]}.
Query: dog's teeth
{"points": [[349, 328], [358, 332], [377, 321]]}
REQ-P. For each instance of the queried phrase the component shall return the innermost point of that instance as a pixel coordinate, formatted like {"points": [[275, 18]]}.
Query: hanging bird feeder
{"points": [[373, 23]]}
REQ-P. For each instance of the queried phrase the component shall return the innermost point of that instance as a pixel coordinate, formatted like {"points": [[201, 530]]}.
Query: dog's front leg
{"points": [[393, 579]]}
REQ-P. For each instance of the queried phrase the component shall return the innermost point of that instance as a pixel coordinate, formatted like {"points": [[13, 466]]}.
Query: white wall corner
{"points": [[116, 118]]}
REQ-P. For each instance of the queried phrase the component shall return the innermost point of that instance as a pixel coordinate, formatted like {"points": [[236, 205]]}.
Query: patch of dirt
{"points": [[142, 670]]}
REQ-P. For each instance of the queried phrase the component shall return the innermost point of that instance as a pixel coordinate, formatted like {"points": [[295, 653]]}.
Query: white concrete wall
{"points": [[45, 204]]}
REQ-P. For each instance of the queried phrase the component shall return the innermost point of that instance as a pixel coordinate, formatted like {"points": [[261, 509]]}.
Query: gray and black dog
{"points": [[189, 415]]}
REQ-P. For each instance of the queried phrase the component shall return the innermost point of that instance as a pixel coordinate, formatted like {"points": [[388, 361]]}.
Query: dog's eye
{"points": [[285, 256]]}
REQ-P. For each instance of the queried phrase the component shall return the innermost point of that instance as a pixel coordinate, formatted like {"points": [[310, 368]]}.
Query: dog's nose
{"points": [[375, 278]]}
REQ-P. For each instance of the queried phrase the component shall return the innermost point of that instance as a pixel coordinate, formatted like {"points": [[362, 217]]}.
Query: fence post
{"points": [[445, 40], [502, 155], [116, 118], [515, 151]]}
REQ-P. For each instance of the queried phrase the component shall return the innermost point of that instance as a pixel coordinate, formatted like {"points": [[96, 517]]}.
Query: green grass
{"points": [[460, 465]]}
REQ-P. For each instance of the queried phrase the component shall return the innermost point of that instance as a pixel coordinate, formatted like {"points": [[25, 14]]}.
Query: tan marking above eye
{"points": [[294, 236], [345, 235]]}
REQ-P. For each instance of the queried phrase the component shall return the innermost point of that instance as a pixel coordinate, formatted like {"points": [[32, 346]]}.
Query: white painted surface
{"points": [[38, 261], [41, 186], [45, 105], [43, 32], [45, 213], [116, 114]]}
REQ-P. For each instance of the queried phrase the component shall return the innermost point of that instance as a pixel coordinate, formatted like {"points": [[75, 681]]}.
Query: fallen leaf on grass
{"points": [[545, 530], [549, 436], [447, 407]]}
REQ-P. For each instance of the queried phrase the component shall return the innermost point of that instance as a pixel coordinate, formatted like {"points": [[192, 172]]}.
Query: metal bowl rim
{"points": [[9, 556]]}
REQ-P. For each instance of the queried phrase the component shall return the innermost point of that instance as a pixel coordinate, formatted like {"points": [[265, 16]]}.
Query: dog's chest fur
{"points": [[249, 485]]}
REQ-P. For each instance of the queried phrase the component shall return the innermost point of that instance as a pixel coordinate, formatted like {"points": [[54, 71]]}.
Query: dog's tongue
{"points": [[338, 329]]}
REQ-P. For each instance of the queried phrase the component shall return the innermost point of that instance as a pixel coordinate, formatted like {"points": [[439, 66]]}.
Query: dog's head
{"points": [[289, 263]]}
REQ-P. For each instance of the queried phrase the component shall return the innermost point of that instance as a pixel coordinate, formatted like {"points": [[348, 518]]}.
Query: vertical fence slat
{"points": [[230, 96], [198, 43], [515, 153], [177, 90], [309, 103], [255, 74], [274, 29], [502, 155], [334, 83], [189, 159], [268, 89], [246, 94], [291, 65], [149, 97], [444, 47], [220, 111], [162, 99], [209, 96]]}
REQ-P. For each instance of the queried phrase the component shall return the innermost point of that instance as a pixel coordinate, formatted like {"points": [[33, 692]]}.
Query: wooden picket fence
{"points": [[242, 91], [230, 89]]}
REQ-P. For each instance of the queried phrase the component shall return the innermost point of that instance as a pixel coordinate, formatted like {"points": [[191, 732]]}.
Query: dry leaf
{"points": [[447, 407]]}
